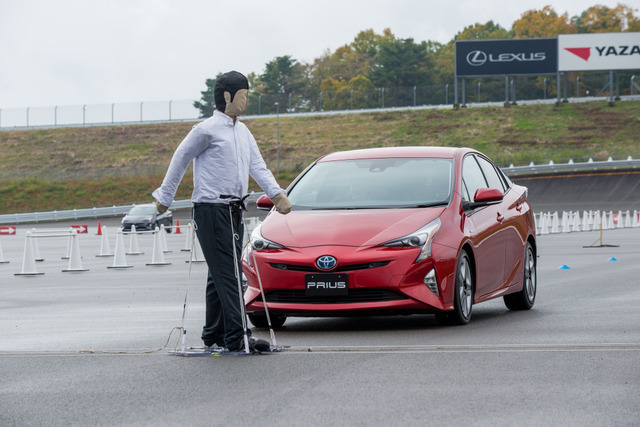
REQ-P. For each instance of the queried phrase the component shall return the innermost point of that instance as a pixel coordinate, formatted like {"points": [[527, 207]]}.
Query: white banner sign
{"points": [[605, 51]]}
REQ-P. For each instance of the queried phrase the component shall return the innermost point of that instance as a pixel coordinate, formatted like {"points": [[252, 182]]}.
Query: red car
{"points": [[394, 231]]}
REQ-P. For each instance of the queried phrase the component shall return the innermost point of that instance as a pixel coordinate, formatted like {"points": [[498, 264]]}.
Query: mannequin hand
{"points": [[282, 203], [160, 207]]}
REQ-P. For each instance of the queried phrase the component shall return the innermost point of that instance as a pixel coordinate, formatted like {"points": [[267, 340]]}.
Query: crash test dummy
{"points": [[224, 154]]}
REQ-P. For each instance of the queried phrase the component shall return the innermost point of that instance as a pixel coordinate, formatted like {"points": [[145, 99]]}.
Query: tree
{"points": [[207, 103], [601, 19], [284, 76], [488, 31], [400, 62], [542, 23]]}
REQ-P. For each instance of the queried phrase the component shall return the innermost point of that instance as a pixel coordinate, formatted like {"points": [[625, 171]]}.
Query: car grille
{"points": [[311, 269], [298, 296]]}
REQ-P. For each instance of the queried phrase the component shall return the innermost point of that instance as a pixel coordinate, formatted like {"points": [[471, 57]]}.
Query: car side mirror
{"points": [[488, 195], [264, 203], [484, 197]]}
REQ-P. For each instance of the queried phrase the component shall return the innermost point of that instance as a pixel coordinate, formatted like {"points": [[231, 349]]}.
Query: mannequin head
{"points": [[230, 93]]}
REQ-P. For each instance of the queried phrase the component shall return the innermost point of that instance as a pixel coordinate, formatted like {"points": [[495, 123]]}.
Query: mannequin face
{"points": [[239, 104]]}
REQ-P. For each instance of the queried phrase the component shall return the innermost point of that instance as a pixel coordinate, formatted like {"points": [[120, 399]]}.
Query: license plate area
{"points": [[326, 284]]}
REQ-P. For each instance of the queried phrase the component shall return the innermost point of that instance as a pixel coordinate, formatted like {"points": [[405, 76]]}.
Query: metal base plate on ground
{"points": [[217, 351]]}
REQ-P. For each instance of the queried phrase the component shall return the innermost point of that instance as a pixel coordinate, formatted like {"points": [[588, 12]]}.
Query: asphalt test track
{"points": [[77, 349]]}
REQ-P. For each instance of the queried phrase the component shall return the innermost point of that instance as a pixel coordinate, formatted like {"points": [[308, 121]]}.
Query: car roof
{"points": [[386, 152]]}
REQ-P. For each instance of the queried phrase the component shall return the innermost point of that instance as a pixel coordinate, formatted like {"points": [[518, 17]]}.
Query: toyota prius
{"points": [[393, 231]]}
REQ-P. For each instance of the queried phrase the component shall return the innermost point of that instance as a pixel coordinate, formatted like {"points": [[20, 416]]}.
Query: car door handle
{"points": [[499, 218]]}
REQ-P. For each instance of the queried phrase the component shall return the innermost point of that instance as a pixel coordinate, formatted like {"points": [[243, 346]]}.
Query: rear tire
{"points": [[463, 295], [260, 320], [524, 299]]}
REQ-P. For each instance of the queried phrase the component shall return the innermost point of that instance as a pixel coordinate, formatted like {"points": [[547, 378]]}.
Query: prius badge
{"points": [[326, 262]]}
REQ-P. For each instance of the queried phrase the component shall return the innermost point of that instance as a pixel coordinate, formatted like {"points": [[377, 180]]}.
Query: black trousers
{"points": [[223, 322]]}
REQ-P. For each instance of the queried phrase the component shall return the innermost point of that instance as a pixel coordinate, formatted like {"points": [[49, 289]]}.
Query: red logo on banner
{"points": [[581, 52], [80, 228], [7, 230]]}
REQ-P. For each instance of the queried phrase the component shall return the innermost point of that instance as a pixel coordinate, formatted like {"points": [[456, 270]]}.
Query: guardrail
{"points": [[76, 214], [571, 166]]}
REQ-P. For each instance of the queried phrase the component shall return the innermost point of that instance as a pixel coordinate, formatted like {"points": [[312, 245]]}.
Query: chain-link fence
{"points": [[479, 90]]}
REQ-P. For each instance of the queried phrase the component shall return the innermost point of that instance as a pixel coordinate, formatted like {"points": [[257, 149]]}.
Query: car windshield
{"points": [[142, 210], [374, 183]]}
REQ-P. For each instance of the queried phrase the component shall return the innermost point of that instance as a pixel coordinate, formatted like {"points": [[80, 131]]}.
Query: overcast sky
{"points": [[73, 52]]}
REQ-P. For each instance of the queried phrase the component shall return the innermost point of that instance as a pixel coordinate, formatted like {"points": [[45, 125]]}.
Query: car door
{"points": [[515, 211], [488, 236]]}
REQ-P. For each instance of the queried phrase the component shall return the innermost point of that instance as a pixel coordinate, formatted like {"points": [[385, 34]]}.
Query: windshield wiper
{"points": [[429, 205]]}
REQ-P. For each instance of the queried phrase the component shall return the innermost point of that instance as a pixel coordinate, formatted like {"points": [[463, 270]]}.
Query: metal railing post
{"points": [[84, 113], [28, 116]]}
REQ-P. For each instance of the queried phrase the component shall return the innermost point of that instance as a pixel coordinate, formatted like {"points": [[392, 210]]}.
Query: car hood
{"points": [[345, 227]]}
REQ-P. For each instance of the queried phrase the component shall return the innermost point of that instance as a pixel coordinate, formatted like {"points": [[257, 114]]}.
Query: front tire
{"points": [[463, 295], [260, 320], [524, 299]]}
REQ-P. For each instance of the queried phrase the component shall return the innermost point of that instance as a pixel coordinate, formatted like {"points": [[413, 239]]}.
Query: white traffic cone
{"points": [[611, 224], [163, 239], [636, 220], [586, 218], [28, 259], [597, 221], [620, 223], [543, 227], [134, 249], [196, 253], [157, 257], [119, 259], [105, 249], [187, 241], [555, 223], [575, 225], [627, 220], [565, 222], [75, 260], [2, 260], [68, 246], [36, 247]]}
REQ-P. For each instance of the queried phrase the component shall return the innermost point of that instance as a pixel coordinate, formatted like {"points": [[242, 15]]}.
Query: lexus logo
{"points": [[476, 58], [326, 262]]}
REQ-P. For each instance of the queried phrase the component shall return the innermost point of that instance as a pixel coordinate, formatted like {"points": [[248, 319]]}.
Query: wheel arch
{"points": [[468, 248]]}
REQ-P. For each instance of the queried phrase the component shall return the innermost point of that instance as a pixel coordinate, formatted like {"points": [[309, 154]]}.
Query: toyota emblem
{"points": [[326, 262]]}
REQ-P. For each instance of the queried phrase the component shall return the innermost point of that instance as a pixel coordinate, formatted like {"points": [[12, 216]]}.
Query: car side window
{"points": [[491, 174], [472, 177], [505, 179]]}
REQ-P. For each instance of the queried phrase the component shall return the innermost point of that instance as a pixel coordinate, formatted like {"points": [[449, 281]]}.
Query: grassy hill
{"points": [[79, 167]]}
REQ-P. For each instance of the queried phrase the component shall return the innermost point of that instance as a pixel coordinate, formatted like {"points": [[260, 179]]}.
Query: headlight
{"points": [[259, 243], [421, 238]]}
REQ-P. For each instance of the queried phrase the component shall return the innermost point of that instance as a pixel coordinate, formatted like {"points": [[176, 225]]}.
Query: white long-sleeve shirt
{"points": [[224, 154]]}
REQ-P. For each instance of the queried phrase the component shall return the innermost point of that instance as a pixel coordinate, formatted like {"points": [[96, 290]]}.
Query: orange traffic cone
{"points": [[177, 226], [99, 233]]}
